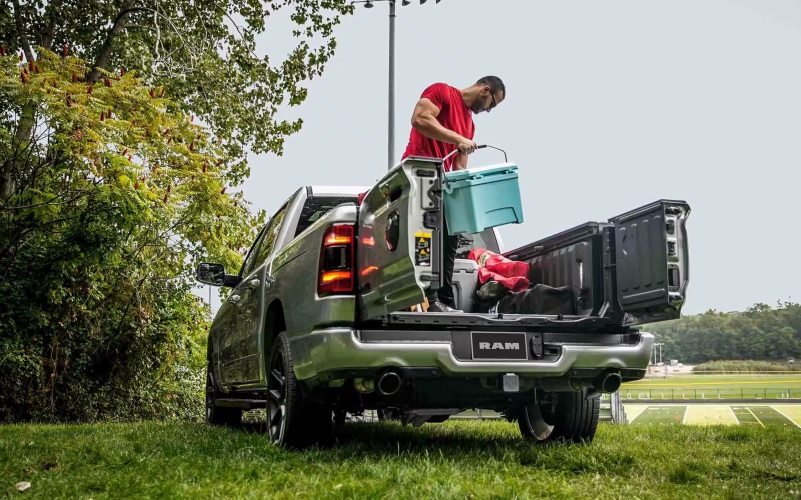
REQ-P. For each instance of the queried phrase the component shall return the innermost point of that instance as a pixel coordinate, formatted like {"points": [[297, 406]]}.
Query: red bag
{"points": [[492, 266]]}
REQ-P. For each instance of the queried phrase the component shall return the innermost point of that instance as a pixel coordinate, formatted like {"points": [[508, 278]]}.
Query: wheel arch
{"points": [[274, 324]]}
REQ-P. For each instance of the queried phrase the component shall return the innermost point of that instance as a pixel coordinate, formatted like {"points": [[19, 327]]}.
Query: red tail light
{"points": [[337, 261]]}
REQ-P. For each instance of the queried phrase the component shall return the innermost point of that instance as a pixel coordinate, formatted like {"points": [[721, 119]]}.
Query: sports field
{"points": [[712, 386], [774, 415]]}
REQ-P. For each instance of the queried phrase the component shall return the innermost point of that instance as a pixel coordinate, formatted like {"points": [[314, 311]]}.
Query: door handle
{"points": [[234, 298], [253, 283]]}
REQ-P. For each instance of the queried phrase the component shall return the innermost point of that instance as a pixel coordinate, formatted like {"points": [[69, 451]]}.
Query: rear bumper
{"points": [[338, 350]]}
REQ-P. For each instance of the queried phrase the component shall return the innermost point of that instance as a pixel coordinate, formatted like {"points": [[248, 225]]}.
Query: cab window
{"points": [[270, 235], [317, 207]]}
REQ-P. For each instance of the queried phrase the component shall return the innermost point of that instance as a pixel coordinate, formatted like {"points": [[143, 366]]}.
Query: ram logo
{"points": [[505, 346]]}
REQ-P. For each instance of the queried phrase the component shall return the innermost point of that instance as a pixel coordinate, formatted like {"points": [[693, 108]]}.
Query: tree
{"points": [[758, 333], [120, 194], [202, 53], [110, 190]]}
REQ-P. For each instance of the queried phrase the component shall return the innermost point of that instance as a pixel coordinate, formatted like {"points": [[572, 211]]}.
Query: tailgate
{"points": [[398, 250], [649, 262]]}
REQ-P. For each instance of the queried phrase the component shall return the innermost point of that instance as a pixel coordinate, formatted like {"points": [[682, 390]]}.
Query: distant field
{"points": [[708, 386], [760, 415]]}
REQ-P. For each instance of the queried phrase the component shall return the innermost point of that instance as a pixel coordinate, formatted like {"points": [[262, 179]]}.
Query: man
{"points": [[442, 122]]}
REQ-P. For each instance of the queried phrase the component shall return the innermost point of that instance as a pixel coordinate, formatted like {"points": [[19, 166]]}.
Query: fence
{"points": [[712, 393]]}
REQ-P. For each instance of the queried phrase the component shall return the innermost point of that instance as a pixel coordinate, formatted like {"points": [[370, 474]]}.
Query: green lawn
{"points": [[465, 459], [711, 385], [662, 415], [729, 381]]}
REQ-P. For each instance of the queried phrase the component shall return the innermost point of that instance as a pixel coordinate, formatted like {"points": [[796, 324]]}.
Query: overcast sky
{"points": [[610, 105]]}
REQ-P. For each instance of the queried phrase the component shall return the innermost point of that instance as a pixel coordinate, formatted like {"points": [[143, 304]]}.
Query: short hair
{"points": [[495, 84]]}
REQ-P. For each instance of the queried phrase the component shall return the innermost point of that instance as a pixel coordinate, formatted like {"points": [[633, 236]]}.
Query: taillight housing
{"points": [[337, 255]]}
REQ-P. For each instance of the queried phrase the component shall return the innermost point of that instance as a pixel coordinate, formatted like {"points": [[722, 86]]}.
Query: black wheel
{"points": [[572, 417], [219, 415], [292, 422]]}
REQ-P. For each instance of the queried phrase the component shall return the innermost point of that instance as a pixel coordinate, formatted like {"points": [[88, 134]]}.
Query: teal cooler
{"points": [[476, 199]]}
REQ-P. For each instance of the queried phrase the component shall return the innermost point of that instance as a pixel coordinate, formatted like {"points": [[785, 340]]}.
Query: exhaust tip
{"points": [[609, 382], [389, 383]]}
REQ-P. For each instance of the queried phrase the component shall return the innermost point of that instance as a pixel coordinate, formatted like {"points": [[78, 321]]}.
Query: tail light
{"points": [[337, 261]]}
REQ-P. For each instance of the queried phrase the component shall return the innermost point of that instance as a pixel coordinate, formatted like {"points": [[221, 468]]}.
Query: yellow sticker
{"points": [[422, 247]]}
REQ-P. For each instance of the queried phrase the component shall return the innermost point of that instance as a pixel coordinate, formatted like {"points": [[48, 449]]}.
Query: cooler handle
{"points": [[480, 146]]}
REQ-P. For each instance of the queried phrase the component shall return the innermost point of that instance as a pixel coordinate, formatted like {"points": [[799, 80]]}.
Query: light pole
{"points": [[368, 4]]}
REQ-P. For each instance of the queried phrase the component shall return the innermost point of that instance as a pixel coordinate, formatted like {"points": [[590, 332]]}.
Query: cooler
{"points": [[480, 198], [465, 283]]}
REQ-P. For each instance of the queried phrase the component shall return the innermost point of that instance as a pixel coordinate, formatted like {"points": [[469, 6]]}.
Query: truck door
{"points": [[648, 263], [229, 340], [398, 254], [244, 366]]}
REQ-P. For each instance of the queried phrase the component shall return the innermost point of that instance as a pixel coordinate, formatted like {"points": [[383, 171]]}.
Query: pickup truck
{"points": [[321, 319]]}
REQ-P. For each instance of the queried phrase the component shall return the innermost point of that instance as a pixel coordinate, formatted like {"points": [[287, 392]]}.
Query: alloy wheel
{"points": [[277, 395]]}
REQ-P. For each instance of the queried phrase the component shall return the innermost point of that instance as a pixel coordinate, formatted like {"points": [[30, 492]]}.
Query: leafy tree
{"points": [[202, 53], [110, 190], [120, 193], [758, 333]]}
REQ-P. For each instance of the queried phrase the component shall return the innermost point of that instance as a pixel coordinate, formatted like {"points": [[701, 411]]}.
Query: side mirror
{"points": [[213, 274]]}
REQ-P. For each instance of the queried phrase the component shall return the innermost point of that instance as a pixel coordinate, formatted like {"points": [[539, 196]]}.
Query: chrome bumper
{"points": [[333, 349]]}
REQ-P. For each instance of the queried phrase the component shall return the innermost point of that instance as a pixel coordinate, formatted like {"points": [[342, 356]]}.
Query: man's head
{"points": [[488, 93]]}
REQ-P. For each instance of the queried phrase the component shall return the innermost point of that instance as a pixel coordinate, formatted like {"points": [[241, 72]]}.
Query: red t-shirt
{"points": [[453, 115]]}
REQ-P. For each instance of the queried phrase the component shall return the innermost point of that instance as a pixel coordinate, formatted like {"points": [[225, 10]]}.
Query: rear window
{"points": [[316, 207]]}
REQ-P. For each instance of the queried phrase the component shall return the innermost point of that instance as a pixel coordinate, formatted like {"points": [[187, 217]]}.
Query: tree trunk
{"points": [[24, 131], [52, 13], [106, 51]]}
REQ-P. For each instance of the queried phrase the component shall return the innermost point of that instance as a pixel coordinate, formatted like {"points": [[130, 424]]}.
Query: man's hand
{"points": [[466, 146]]}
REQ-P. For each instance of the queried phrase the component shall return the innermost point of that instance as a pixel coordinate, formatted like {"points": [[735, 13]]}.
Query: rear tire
{"points": [[292, 420], [573, 418], [219, 415]]}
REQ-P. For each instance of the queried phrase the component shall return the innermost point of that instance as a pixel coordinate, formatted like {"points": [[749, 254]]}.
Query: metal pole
{"points": [[391, 104]]}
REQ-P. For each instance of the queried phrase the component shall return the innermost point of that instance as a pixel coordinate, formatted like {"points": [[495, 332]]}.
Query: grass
{"points": [[762, 415], [465, 459], [661, 415], [725, 381], [710, 385]]}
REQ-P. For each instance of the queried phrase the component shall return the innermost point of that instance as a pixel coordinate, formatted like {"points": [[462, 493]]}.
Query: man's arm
{"points": [[460, 162], [424, 120]]}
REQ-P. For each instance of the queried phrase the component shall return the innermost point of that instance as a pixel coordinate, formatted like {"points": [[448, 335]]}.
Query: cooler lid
{"points": [[478, 172]]}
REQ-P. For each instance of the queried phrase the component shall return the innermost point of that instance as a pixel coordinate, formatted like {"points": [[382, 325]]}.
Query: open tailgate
{"points": [[648, 262], [399, 240]]}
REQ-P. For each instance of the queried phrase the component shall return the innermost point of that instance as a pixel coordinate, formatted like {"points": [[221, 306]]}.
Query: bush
{"points": [[737, 366], [108, 195]]}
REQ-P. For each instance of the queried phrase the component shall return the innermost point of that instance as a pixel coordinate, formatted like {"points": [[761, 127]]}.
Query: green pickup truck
{"points": [[319, 320]]}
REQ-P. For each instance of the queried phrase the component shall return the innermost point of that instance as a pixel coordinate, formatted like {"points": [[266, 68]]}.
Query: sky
{"points": [[610, 106]]}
